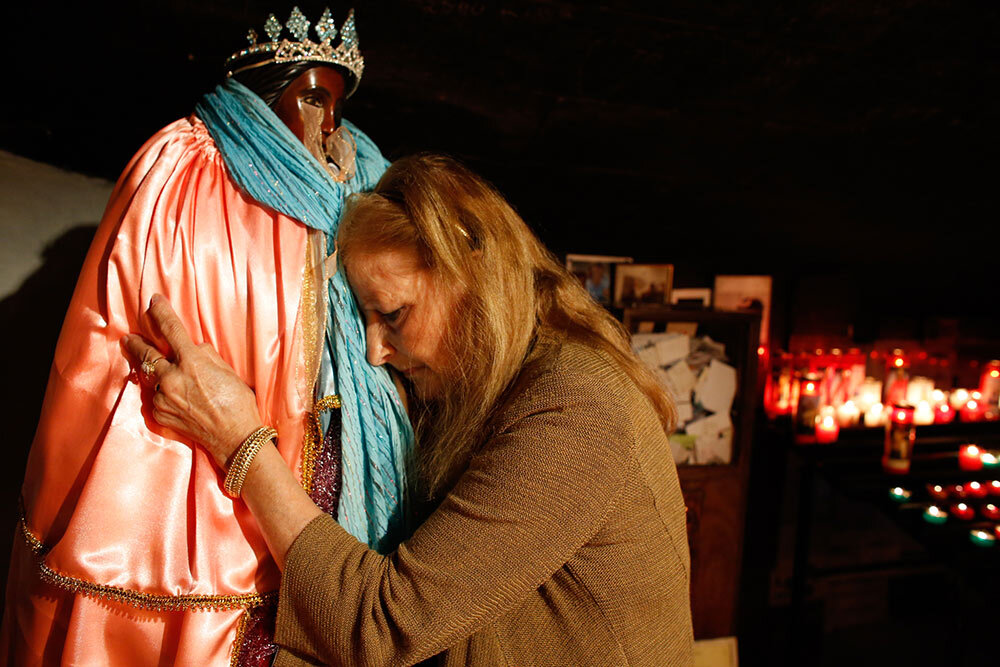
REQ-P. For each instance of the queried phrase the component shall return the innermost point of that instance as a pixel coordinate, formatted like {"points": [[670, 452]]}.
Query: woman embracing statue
{"points": [[552, 530]]}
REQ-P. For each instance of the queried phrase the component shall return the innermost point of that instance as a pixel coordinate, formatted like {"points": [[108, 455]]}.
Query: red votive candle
{"points": [[827, 430], [937, 492], [975, 490], [957, 491], [991, 511], [994, 487], [969, 457], [963, 512], [944, 414], [973, 411]]}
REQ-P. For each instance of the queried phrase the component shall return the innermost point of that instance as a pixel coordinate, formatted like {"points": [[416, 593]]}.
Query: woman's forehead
{"points": [[385, 274]]}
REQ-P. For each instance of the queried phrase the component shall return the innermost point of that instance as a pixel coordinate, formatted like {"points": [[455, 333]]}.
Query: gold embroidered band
{"points": [[151, 601], [313, 439]]}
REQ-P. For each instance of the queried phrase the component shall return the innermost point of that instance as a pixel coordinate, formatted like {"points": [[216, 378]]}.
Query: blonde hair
{"points": [[512, 292]]}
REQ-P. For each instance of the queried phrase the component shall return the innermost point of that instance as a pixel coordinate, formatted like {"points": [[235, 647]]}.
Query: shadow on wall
{"points": [[33, 316]]}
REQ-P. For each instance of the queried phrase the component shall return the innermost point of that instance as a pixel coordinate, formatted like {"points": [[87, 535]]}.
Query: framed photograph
{"points": [[746, 293], [596, 273], [643, 284]]}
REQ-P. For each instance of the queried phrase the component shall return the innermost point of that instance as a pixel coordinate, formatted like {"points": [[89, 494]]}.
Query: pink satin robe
{"points": [[112, 498]]}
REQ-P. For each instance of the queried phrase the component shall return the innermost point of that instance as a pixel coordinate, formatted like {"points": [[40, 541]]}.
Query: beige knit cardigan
{"points": [[563, 543]]}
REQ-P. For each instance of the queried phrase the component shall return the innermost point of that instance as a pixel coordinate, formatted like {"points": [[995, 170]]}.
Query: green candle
{"points": [[935, 515], [981, 538], [899, 494], [990, 460]]}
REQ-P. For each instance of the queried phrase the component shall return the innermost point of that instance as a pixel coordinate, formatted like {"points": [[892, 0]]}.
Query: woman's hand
{"points": [[196, 393]]}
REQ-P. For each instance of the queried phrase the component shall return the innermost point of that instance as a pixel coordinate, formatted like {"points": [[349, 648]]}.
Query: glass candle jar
{"points": [[899, 436]]}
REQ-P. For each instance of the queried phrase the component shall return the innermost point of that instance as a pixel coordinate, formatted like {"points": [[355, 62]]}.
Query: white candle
{"points": [[919, 389], [924, 414], [848, 414], [869, 393], [938, 397], [875, 415], [958, 399]]}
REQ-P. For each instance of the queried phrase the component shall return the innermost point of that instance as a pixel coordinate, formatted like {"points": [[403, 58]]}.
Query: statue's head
{"points": [[306, 82]]}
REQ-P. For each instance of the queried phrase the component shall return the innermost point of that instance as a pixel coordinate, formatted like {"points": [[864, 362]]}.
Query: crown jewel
{"points": [[300, 47], [325, 27], [273, 27], [298, 24]]}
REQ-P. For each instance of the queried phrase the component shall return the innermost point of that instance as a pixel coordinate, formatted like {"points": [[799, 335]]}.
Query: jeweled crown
{"points": [[286, 50]]}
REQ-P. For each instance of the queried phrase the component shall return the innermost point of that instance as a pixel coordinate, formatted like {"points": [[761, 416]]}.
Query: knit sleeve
{"points": [[534, 495]]}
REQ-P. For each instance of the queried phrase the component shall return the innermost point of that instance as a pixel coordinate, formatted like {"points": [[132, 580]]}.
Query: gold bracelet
{"points": [[240, 464]]}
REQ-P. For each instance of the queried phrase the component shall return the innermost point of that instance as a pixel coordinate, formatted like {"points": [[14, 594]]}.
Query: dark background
{"points": [[847, 148]]}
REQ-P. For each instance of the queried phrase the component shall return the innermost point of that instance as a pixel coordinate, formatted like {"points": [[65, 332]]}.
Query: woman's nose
{"points": [[379, 348]]}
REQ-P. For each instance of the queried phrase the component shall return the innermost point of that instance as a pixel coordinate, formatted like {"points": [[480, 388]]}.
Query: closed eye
{"points": [[392, 317]]}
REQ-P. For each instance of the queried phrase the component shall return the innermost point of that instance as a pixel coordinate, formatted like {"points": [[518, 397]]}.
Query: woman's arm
{"points": [[201, 396], [278, 502]]}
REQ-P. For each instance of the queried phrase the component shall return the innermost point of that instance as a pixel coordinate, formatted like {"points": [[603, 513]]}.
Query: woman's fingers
{"points": [[138, 349], [146, 358], [170, 326]]}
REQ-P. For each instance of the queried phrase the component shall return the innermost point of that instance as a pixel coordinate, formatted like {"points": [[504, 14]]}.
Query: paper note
{"points": [[673, 347], [661, 375], [685, 412], [713, 439], [716, 387], [682, 447], [649, 357], [641, 340], [680, 381]]}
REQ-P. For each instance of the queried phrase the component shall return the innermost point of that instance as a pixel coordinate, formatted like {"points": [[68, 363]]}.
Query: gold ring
{"points": [[149, 368]]}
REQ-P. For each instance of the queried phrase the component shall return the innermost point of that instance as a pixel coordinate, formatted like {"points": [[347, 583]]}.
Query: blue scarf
{"points": [[272, 165]]}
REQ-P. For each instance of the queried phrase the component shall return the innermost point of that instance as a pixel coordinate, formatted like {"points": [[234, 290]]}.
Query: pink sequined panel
{"points": [[258, 648], [326, 478]]}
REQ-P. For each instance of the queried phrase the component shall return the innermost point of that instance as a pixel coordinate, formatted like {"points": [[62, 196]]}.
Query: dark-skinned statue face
{"points": [[311, 107]]}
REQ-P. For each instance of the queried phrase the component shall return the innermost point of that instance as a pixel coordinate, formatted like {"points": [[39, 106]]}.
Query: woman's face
{"points": [[320, 87], [407, 316]]}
